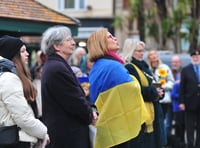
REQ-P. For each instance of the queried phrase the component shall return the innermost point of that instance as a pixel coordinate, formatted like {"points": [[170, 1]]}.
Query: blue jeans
{"points": [[168, 114]]}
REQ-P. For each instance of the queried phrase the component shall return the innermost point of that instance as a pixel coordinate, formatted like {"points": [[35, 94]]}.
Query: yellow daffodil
{"points": [[162, 72], [162, 76], [162, 82]]}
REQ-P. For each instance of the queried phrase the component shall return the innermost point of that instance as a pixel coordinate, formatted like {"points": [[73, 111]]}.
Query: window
{"points": [[72, 4], [69, 4]]}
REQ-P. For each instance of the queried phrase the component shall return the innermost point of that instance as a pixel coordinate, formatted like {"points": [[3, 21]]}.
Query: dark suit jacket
{"points": [[189, 90], [66, 112]]}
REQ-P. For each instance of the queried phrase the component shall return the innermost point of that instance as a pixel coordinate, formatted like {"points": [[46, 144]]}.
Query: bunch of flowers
{"points": [[162, 76]]}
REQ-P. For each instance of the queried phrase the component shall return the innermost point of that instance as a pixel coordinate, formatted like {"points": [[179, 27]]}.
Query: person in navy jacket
{"points": [[66, 112], [190, 98], [178, 114]]}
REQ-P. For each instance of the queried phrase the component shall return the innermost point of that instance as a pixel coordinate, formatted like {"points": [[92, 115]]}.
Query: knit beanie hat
{"points": [[9, 46]]}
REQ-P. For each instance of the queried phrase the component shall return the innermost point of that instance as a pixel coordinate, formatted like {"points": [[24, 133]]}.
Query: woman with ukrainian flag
{"points": [[117, 94]]}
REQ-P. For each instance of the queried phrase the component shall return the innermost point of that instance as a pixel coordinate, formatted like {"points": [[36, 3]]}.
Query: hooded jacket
{"points": [[14, 108]]}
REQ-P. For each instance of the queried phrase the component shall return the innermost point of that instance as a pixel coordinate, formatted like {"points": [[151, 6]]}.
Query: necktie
{"points": [[197, 72]]}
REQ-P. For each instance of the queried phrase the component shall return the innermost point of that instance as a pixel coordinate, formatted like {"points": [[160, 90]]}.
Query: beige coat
{"points": [[14, 109]]}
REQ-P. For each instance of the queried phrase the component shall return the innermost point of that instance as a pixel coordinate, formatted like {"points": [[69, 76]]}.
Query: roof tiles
{"points": [[32, 10]]}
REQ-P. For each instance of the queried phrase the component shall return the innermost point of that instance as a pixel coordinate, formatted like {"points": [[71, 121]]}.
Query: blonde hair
{"points": [[97, 44], [150, 53], [129, 47]]}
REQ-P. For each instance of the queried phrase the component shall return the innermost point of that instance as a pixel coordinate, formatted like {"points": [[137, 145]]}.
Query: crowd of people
{"points": [[99, 96]]}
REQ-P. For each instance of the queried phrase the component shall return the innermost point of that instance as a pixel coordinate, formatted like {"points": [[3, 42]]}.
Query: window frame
{"points": [[61, 5]]}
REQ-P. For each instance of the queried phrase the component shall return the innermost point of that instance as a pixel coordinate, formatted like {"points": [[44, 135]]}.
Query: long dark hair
{"points": [[23, 72]]}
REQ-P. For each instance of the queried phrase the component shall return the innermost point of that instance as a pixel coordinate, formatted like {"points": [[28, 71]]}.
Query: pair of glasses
{"points": [[110, 36], [139, 50], [69, 39]]}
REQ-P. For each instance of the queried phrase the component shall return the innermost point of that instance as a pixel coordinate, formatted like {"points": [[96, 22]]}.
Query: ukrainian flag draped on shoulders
{"points": [[118, 98]]}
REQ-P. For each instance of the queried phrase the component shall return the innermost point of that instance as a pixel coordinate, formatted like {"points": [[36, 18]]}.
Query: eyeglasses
{"points": [[69, 39], [139, 50], [110, 36]]}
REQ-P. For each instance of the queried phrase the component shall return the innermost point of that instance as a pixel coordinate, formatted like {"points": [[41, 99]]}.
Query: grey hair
{"points": [[53, 36], [130, 45]]}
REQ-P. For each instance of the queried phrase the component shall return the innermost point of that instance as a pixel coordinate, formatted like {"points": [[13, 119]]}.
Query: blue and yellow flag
{"points": [[118, 98]]}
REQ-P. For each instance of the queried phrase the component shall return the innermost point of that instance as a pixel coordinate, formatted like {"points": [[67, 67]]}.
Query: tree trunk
{"points": [[194, 30], [141, 21]]}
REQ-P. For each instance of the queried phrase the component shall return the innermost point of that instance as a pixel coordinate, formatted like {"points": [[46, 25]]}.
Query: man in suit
{"points": [[190, 99]]}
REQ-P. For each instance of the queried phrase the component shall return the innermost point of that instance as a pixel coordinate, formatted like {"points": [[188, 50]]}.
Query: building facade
{"points": [[93, 14]]}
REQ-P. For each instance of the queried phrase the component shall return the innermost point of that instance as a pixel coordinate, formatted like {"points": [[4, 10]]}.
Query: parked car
{"points": [[166, 57]]}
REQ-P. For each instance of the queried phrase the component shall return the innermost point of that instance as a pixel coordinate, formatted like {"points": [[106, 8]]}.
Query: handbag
{"points": [[9, 135]]}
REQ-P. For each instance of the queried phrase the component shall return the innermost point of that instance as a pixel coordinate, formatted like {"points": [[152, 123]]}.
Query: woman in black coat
{"points": [[152, 137], [66, 112]]}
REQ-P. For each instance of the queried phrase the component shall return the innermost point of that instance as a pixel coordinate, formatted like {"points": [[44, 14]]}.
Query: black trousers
{"points": [[180, 126], [19, 145], [192, 122]]}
